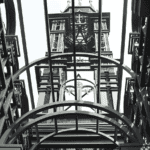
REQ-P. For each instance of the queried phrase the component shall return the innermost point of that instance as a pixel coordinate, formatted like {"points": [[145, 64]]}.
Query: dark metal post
{"points": [[99, 51], [26, 58], [49, 48], [122, 51], [25, 51], [74, 52], [99, 61]]}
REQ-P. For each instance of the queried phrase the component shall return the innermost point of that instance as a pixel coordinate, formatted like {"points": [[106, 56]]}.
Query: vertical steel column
{"points": [[26, 57], [99, 51], [74, 52], [25, 50], [49, 49], [122, 51], [99, 61]]}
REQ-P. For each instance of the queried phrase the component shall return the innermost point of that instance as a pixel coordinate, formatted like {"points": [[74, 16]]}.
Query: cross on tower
{"points": [[79, 18], [90, 2]]}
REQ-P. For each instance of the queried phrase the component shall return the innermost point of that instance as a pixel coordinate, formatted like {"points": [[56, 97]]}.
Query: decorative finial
{"points": [[90, 1], [79, 2], [68, 3]]}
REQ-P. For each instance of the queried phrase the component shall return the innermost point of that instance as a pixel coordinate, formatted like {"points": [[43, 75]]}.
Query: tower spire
{"points": [[79, 2]]}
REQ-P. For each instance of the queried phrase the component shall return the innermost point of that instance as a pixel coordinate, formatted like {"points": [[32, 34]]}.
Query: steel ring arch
{"points": [[126, 68], [66, 103]]}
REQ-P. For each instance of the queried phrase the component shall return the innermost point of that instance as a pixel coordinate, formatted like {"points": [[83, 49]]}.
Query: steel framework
{"points": [[109, 126]]}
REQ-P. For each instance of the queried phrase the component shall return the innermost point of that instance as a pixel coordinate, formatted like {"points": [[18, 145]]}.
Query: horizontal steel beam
{"points": [[86, 136], [63, 31], [77, 145]]}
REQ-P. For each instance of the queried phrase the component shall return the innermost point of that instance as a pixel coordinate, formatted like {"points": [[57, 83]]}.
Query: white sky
{"points": [[36, 38]]}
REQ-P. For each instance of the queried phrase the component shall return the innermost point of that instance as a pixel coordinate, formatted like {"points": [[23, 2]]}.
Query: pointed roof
{"points": [[78, 76], [87, 9]]}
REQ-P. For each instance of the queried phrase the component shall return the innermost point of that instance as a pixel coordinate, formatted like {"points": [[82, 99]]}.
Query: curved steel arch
{"points": [[126, 68], [58, 114], [65, 113], [116, 114], [72, 129], [79, 79]]}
